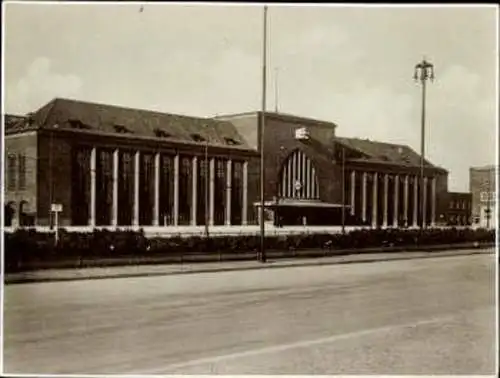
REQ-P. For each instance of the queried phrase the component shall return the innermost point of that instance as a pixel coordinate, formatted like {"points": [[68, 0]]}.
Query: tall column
{"points": [[244, 202], [374, 200], [353, 192], [211, 193], [386, 199], [156, 207], [395, 220], [415, 201], [194, 191], [92, 203], [229, 176], [302, 176], [433, 203], [114, 205], [137, 162], [176, 190], [314, 189], [424, 206], [363, 193], [406, 199], [308, 179]]}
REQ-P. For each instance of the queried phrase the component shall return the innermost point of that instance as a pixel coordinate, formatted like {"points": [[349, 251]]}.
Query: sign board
{"points": [[302, 134], [487, 196], [56, 207]]}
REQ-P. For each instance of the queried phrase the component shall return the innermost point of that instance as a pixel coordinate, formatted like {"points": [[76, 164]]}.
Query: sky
{"points": [[352, 66]]}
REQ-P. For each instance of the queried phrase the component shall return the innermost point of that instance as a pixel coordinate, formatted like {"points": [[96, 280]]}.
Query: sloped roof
{"points": [[66, 113], [490, 167], [384, 153], [11, 120]]}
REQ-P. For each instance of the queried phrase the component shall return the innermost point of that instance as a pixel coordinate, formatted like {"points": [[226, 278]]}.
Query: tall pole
{"points": [[276, 102], [262, 131], [488, 208], [51, 188], [207, 177], [422, 161], [423, 71], [343, 190]]}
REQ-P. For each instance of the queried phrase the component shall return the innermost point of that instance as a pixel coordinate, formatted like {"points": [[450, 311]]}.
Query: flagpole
{"points": [[262, 130]]}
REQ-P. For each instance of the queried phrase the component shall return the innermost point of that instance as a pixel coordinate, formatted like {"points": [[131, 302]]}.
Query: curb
{"points": [[269, 265]]}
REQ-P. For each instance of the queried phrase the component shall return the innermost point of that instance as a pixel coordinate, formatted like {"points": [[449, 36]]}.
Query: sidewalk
{"points": [[51, 275]]}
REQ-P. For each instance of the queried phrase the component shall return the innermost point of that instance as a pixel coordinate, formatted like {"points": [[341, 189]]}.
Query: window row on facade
{"points": [[15, 172], [119, 187]]}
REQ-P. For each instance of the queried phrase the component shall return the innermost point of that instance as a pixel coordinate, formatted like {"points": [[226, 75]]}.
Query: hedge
{"points": [[25, 248]]}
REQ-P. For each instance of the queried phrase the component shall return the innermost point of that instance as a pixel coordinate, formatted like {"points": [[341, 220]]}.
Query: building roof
{"points": [[11, 120], [490, 167], [383, 153], [279, 115], [73, 114]]}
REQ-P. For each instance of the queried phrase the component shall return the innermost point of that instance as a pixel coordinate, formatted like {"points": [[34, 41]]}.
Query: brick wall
{"points": [[22, 144], [459, 208], [280, 142], [54, 151], [482, 180]]}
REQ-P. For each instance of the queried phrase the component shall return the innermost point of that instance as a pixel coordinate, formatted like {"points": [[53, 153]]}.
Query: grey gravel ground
{"points": [[422, 316]]}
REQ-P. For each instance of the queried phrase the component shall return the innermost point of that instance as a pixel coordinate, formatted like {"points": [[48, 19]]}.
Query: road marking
{"points": [[299, 344]]}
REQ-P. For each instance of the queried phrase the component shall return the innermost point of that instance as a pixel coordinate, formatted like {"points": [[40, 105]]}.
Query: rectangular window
{"points": [[21, 172], [11, 172]]}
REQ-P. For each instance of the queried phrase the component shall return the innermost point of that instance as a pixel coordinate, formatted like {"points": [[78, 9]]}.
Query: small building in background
{"points": [[459, 209], [482, 182]]}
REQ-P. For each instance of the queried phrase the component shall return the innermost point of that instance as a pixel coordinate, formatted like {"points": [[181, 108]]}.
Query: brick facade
{"points": [[459, 209], [22, 199], [482, 185], [63, 127], [324, 151]]}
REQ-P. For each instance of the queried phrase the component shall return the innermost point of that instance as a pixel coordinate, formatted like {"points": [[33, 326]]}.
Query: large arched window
{"points": [[298, 177]]}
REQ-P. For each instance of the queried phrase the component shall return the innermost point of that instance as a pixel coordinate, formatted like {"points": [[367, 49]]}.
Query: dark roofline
{"points": [[280, 116], [13, 115], [484, 168], [122, 107], [393, 164], [247, 151], [429, 166], [340, 139]]}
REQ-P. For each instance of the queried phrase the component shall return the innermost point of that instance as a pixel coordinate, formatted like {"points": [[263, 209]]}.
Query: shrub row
{"points": [[26, 247]]}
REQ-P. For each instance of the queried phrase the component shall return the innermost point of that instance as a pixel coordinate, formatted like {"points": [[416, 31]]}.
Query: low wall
{"points": [[190, 231]]}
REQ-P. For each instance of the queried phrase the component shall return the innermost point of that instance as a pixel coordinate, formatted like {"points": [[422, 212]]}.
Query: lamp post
{"points": [[343, 190], [488, 203], [51, 185], [262, 130], [423, 71]]}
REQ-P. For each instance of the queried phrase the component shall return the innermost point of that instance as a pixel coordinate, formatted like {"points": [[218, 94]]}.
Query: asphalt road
{"points": [[429, 316]]}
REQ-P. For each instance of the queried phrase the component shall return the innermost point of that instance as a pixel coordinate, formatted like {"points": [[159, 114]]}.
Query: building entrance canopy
{"points": [[303, 212], [300, 203]]}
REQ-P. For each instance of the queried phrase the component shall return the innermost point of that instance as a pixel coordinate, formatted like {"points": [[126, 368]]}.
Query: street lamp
{"points": [[488, 202], [262, 126], [343, 190], [423, 71], [207, 177]]}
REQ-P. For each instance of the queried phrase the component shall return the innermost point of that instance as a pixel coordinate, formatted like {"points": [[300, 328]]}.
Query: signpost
{"points": [[56, 208]]}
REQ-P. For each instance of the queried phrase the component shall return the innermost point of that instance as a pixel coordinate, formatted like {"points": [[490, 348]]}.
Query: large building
{"points": [[482, 181], [105, 165]]}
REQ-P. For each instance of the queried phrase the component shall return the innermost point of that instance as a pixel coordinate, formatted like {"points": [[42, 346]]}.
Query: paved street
{"points": [[428, 316]]}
